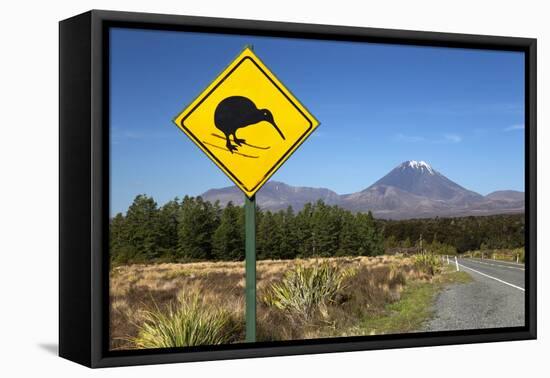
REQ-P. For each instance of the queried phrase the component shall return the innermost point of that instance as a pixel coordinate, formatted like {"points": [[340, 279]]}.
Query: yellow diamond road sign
{"points": [[247, 122]]}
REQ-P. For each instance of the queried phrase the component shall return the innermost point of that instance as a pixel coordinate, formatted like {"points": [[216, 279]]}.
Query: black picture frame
{"points": [[84, 187]]}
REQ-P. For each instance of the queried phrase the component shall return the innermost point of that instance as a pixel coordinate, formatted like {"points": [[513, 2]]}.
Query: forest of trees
{"points": [[193, 229], [463, 234]]}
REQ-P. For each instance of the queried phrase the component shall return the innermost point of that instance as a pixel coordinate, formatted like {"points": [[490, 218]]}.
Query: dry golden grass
{"points": [[137, 288], [513, 255]]}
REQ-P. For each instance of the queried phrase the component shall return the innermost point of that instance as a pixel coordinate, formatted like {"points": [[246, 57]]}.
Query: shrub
{"points": [[189, 322], [438, 248], [427, 262], [520, 252], [305, 290]]}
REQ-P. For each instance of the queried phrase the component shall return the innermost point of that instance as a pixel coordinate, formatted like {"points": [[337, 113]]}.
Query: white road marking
{"points": [[500, 266], [494, 278]]}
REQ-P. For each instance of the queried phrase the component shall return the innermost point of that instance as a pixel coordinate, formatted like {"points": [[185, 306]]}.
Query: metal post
{"points": [[456, 262], [250, 267]]}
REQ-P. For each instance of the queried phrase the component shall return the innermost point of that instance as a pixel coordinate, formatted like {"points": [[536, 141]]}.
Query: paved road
{"points": [[495, 298]]}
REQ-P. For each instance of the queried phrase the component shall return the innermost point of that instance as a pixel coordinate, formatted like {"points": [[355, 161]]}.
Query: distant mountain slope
{"points": [[413, 189], [275, 196], [506, 195]]}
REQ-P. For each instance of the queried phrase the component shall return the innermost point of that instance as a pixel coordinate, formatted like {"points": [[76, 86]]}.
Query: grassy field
{"points": [[162, 305]]}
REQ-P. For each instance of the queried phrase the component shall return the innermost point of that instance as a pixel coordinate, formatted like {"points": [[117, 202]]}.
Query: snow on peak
{"points": [[420, 165]]}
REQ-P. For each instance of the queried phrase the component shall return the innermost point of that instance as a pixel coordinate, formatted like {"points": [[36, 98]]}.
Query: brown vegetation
{"points": [[504, 254], [368, 284]]}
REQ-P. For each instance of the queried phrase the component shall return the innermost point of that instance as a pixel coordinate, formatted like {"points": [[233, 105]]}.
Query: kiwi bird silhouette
{"points": [[235, 112]]}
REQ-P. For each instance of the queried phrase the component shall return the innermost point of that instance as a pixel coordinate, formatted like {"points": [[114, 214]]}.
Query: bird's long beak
{"points": [[277, 128]]}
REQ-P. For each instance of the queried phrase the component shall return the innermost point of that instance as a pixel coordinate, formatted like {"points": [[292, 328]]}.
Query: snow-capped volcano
{"points": [[420, 165], [419, 178]]}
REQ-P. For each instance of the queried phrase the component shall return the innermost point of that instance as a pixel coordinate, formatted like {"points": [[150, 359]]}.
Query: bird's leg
{"points": [[228, 144], [238, 141]]}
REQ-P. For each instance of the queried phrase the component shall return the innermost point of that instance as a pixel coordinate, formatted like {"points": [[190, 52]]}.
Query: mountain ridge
{"points": [[413, 189]]}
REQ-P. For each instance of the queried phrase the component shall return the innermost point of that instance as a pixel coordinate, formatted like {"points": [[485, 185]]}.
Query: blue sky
{"points": [[379, 105]]}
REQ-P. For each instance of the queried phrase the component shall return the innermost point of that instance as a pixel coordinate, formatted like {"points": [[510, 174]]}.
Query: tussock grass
{"points": [[428, 263], [305, 290], [152, 304], [520, 253], [188, 322], [516, 254]]}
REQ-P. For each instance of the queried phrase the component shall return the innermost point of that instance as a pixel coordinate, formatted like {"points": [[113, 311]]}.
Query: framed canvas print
{"points": [[234, 188]]}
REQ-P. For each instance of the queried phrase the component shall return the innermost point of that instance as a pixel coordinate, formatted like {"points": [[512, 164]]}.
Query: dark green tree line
{"points": [[193, 229], [464, 233]]}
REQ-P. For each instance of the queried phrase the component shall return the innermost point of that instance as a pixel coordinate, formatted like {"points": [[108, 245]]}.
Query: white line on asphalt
{"points": [[500, 266], [494, 278]]}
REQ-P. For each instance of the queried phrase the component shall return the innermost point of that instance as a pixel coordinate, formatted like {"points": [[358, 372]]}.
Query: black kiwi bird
{"points": [[235, 112]]}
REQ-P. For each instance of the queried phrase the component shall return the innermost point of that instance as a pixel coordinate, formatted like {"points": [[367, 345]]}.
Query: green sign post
{"points": [[250, 267]]}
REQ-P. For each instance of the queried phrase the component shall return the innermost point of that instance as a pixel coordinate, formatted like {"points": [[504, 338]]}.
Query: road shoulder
{"points": [[414, 308], [481, 303]]}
